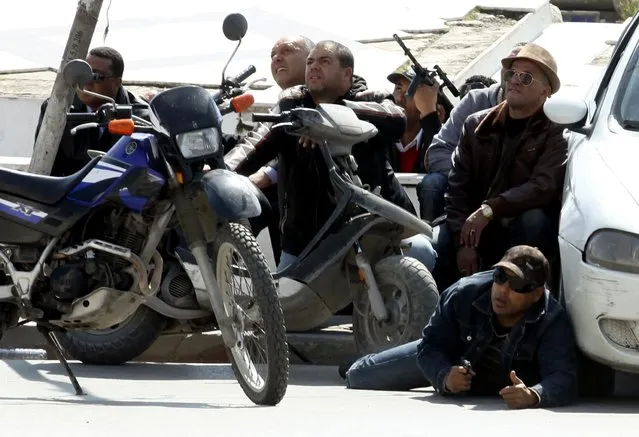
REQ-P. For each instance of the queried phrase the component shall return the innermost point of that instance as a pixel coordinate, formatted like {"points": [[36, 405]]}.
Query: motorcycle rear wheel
{"points": [[235, 244], [118, 344]]}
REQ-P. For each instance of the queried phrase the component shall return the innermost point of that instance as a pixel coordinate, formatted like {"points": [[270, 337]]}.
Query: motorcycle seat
{"points": [[47, 190]]}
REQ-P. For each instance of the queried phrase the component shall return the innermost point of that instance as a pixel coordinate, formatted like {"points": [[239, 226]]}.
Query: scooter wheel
{"points": [[410, 296]]}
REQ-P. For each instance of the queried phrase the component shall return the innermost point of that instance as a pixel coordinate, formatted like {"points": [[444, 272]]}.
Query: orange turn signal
{"points": [[121, 127], [179, 177], [242, 103]]}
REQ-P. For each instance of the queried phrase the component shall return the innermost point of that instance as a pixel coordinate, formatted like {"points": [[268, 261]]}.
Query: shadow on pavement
{"points": [[612, 405], [304, 375], [467, 403], [95, 400], [132, 371]]}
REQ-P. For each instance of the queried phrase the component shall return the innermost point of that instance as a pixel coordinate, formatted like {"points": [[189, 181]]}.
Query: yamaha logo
{"points": [[131, 147]]}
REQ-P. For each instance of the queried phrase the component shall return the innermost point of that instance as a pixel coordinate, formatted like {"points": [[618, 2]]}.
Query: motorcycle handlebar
{"points": [[243, 75], [268, 118], [232, 83], [86, 117]]}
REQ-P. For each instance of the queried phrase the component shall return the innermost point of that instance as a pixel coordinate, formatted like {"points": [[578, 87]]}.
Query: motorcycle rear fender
{"points": [[232, 196], [334, 247]]}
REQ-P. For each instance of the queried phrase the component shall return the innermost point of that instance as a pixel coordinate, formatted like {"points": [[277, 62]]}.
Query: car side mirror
{"points": [[567, 111], [77, 73]]}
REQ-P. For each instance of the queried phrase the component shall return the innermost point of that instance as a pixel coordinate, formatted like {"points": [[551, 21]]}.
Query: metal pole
{"points": [[54, 121]]}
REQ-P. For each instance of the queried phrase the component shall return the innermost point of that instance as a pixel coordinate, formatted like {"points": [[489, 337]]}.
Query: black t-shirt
{"points": [[515, 126], [490, 374], [506, 151]]}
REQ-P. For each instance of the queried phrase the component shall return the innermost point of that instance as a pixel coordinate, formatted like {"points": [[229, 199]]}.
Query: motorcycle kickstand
{"points": [[49, 335]]}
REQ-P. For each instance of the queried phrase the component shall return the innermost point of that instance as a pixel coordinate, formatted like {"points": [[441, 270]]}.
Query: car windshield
{"points": [[627, 107]]}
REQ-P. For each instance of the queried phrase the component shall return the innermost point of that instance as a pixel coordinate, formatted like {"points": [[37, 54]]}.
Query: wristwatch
{"points": [[486, 211]]}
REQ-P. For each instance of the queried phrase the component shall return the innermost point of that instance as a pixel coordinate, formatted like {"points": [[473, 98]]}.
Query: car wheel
{"points": [[595, 380]]}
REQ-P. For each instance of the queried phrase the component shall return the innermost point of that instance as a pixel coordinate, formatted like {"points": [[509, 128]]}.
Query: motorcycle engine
{"points": [[77, 276]]}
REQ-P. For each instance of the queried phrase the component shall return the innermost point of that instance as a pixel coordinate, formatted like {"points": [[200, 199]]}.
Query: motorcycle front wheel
{"points": [[260, 366]]}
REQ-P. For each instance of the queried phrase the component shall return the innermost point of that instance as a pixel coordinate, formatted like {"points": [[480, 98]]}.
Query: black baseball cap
{"points": [[526, 263]]}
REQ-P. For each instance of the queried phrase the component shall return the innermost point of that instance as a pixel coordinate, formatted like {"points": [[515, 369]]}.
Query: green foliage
{"points": [[627, 8]]}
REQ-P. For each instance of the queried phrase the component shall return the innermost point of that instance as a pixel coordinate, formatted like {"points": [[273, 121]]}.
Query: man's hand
{"points": [[371, 96], [426, 98], [307, 142], [441, 113], [149, 95], [472, 229], [459, 379], [260, 179], [518, 395], [467, 260]]}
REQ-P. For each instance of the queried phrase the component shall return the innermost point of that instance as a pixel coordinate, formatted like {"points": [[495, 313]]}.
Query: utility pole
{"points": [[54, 121]]}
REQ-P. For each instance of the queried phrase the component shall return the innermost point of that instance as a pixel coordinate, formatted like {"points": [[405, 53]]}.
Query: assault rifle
{"points": [[426, 76]]}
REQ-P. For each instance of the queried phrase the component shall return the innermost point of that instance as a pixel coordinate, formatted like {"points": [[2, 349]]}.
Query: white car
{"points": [[599, 225]]}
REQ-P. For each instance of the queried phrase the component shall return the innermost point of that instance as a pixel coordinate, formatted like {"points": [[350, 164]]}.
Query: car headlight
{"points": [[201, 142], [615, 250]]}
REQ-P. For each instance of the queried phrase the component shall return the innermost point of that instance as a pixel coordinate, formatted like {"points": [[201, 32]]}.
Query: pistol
{"points": [[466, 365]]}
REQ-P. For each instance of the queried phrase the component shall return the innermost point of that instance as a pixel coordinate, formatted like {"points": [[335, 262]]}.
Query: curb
{"points": [[529, 28], [330, 346]]}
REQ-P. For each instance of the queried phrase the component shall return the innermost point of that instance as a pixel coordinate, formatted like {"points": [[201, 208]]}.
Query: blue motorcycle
{"points": [[87, 253]]}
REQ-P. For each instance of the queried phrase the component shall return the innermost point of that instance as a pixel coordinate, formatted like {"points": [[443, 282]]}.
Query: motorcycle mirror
{"points": [[77, 73], [234, 27]]}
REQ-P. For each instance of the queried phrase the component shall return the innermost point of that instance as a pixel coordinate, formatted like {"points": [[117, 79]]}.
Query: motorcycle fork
{"points": [[367, 277], [196, 240]]}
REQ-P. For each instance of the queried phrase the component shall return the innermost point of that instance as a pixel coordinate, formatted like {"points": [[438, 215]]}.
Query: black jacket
{"points": [[305, 192], [430, 125], [72, 153]]}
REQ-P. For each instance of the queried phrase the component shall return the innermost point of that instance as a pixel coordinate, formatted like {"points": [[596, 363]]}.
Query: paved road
{"points": [[160, 399]]}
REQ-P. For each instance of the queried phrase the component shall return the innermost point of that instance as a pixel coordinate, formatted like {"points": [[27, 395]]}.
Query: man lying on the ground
{"points": [[496, 333]]}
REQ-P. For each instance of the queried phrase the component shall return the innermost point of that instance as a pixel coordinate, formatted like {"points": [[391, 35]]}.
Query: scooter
{"points": [[363, 262]]}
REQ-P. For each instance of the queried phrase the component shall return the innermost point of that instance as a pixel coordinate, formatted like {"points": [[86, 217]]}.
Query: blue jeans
{"points": [[421, 249], [534, 227], [393, 369], [286, 259], [430, 193]]}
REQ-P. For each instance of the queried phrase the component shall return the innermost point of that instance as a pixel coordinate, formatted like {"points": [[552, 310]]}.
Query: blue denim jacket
{"points": [[543, 341]]}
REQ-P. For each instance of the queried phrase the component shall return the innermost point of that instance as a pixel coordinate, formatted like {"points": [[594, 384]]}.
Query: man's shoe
{"points": [[343, 368]]}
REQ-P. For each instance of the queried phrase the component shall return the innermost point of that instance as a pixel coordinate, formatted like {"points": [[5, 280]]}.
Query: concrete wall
{"points": [[18, 120]]}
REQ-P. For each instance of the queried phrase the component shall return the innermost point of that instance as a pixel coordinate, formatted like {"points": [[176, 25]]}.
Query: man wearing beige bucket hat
{"points": [[507, 177]]}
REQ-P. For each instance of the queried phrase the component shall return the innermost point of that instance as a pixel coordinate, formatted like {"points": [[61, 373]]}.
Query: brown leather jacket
{"points": [[510, 175]]}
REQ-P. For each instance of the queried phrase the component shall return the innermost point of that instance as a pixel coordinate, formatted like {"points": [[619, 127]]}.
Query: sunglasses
{"points": [[518, 285], [100, 77], [525, 78]]}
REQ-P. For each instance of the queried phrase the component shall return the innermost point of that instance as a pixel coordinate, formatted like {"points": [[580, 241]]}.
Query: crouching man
{"points": [[495, 333]]}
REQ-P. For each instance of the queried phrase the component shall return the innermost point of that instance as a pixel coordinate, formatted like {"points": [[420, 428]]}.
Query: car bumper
{"points": [[604, 308]]}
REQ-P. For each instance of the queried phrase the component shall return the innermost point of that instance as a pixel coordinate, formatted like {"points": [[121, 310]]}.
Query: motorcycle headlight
{"points": [[614, 250], [201, 142]]}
